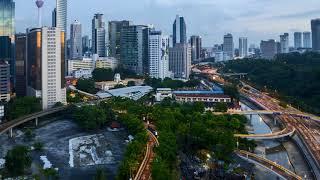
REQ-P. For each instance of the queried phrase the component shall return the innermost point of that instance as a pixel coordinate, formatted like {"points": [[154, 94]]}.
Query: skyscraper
{"points": [[158, 55], [114, 30], [75, 40], [180, 60], [297, 40], [196, 47], [85, 44], [54, 17], [228, 45], [7, 32], [98, 35], [243, 47], [134, 48], [61, 14], [179, 30], [268, 49], [307, 40], [284, 41], [4, 81], [45, 65], [21, 52], [315, 30]]}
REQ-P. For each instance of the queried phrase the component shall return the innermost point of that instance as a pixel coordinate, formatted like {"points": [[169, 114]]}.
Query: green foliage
{"points": [[131, 83], [17, 160], [76, 99], [19, 107], [232, 91], [38, 146], [86, 85], [58, 104], [170, 83], [100, 175], [220, 107], [283, 104], [29, 135], [90, 117], [293, 77], [161, 170], [50, 174], [101, 74]]}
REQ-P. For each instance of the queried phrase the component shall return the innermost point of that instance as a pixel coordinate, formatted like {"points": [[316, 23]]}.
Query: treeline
{"points": [[294, 78], [170, 83], [187, 128]]}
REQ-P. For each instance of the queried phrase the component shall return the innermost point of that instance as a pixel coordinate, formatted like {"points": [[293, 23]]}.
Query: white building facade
{"points": [[243, 47]]}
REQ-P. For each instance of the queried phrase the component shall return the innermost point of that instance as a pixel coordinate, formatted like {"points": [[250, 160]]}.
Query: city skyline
{"points": [[261, 20]]}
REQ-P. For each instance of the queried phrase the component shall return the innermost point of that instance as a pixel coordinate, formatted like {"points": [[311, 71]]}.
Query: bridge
{"points": [[8, 126], [287, 132], [272, 166]]}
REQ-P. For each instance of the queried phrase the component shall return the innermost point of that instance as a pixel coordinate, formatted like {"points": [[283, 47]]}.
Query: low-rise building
{"points": [[205, 98], [82, 73], [163, 93]]}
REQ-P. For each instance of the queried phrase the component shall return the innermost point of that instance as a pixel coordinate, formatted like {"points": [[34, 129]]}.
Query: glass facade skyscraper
{"points": [[7, 15], [179, 30], [61, 15]]}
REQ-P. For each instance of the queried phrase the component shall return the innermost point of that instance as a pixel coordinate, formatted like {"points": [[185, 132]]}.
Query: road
{"points": [[308, 130]]}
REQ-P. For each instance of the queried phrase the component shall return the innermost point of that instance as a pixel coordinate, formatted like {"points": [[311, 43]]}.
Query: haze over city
{"points": [[255, 19]]}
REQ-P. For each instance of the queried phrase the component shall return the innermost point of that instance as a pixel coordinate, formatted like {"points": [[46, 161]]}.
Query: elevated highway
{"points": [[287, 132], [272, 166]]}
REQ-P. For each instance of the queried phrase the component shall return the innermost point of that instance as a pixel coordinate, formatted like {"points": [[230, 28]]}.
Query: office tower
{"points": [[61, 14], [179, 30], [158, 55], [196, 47], [243, 47], [114, 30], [39, 4], [284, 41], [21, 52], [297, 40], [98, 35], [4, 81], [278, 48], [315, 31], [180, 60], [307, 40], [54, 17], [85, 44], [228, 46], [75, 40], [7, 32], [268, 49], [134, 48], [45, 65]]}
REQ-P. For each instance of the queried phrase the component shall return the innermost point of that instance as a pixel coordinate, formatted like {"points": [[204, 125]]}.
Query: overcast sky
{"points": [[255, 19]]}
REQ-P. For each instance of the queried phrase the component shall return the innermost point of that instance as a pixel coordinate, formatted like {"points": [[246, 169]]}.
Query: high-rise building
{"points": [[7, 32], [315, 31], [228, 45], [21, 52], [75, 40], [158, 55], [179, 30], [98, 35], [307, 40], [134, 48], [4, 81], [114, 30], [85, 44], [180, 60], [61, 14], [196, 47], [45, 65], [284, 41], [297, 40], [243, 47], [268, 49], [54, 17]]}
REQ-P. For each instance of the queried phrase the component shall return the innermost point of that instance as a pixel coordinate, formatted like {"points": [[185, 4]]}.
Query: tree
{"points": [[18, 160], [102, 74], [221, 107], [86, 85], [232, 91], [90, 117], [131, 83], [38, 146], [100, 175], [29, 135], [50, 174], [18, 107], [58, 104]]}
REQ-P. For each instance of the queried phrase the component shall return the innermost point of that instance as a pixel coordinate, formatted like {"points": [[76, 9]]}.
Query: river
{"points": [[285, 153]]}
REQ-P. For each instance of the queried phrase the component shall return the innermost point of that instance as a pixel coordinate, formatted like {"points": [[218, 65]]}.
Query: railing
{"points": [[279, 134]]}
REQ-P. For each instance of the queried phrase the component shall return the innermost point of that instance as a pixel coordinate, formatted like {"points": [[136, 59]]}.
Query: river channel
{"points": [[285, 153]]}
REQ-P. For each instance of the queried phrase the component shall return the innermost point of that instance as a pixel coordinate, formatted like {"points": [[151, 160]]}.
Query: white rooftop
{"points": [[133, 92]]}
